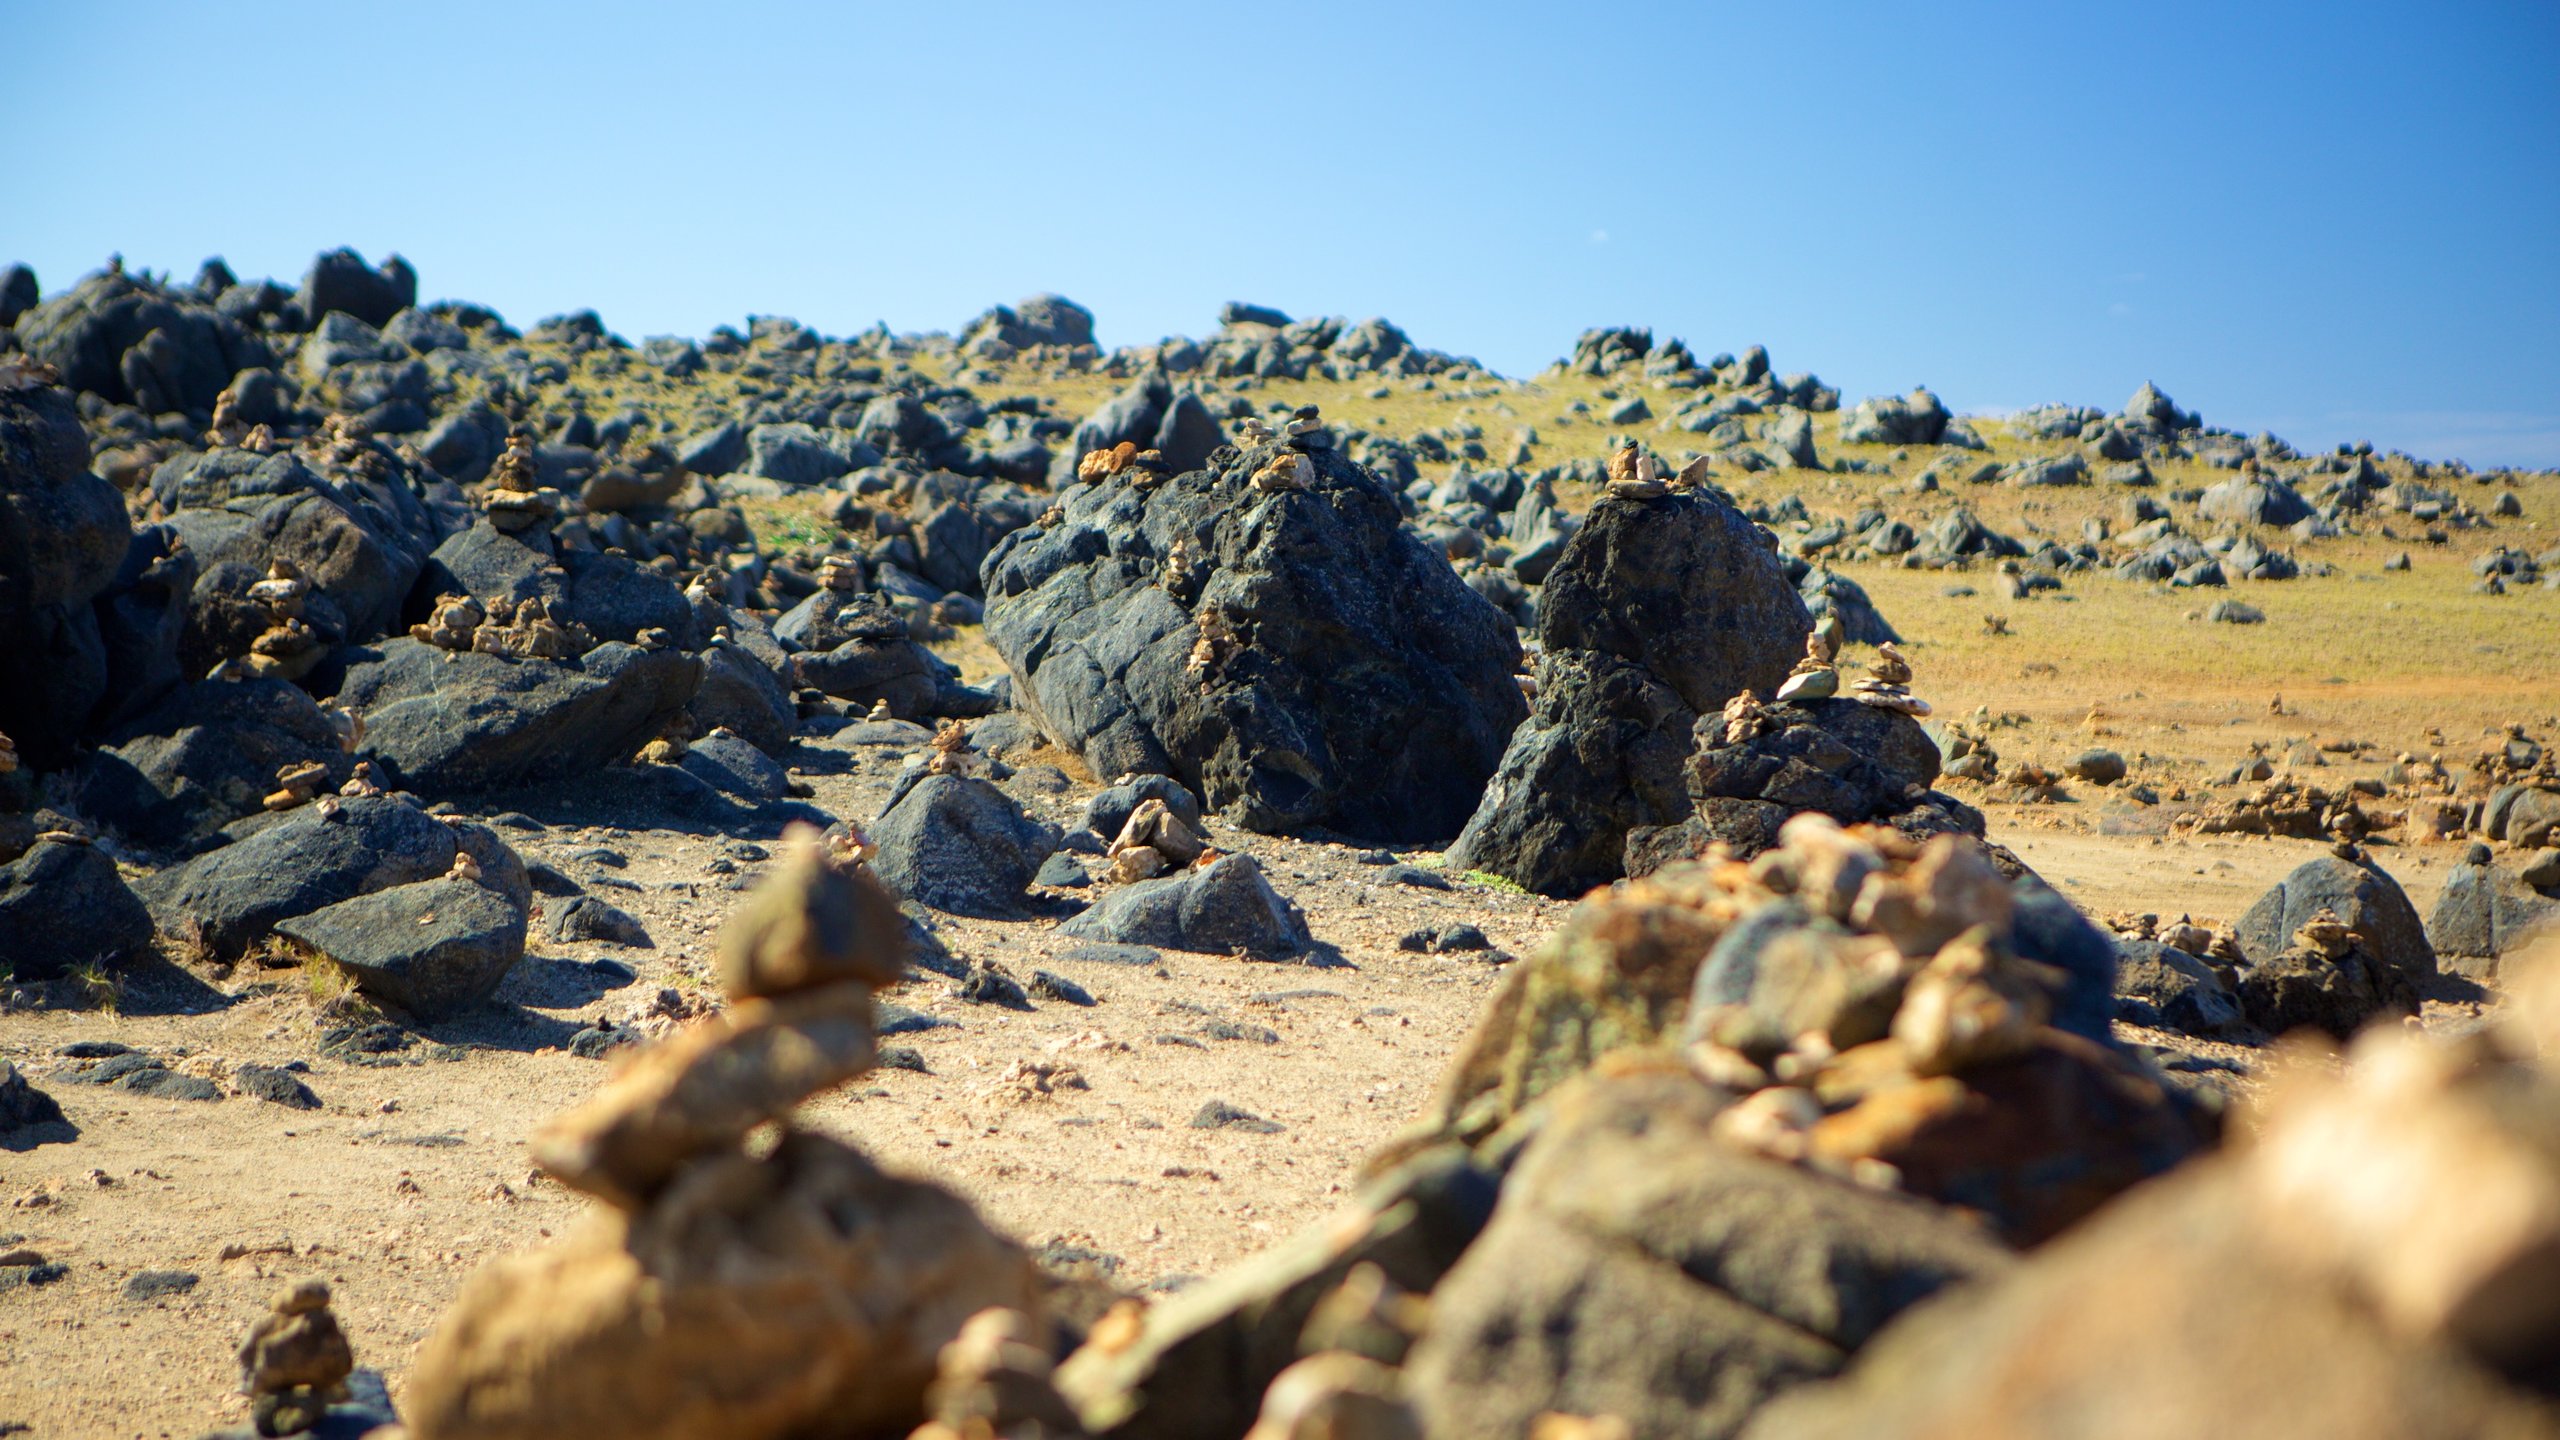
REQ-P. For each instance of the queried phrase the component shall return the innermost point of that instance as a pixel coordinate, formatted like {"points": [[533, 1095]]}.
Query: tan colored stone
{"points": [[704, 1089], [797, 1293]]}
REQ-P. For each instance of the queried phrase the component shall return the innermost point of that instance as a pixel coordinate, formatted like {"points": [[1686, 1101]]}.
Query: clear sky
{"points": [[2338, 220]]}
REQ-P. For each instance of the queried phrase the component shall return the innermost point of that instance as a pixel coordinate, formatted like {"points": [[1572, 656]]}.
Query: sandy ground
{"points": [[411, 1175]]}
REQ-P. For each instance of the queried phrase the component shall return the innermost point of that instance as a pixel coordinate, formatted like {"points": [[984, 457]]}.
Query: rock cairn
{"points": [[1887, 685], [1153, 841], [516, 499], [1815, 677], [295, 1361], [743, 1277]]}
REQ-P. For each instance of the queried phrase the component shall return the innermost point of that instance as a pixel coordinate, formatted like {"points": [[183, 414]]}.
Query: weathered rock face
{"points": [[1150, 415], [63, 906], [1852, 762], [340, 281], [2333, 1278], [1684, 586], [433, 948], [208, 756], [2170, 989], [63, 532], [1919, 419], [1225, 907], [228, 899], [856, 648], [958, 843], [608, 594], [2485, 911], [136, 342], [142, 623], [2364, 899], [1349, 678], [1658, 611], [1601, 756], [359, 538], [442, 721], [1639, 1267]]}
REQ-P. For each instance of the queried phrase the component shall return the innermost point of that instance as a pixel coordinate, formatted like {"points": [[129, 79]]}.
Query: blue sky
{"points": [[2340, 221]]}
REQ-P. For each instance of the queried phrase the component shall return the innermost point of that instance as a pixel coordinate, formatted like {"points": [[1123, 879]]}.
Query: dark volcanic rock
{"points": [[23, 1105], [2484, 912], [359, 539], [611, 596], [1640, 1268], [1224, 907], [742, 691], [2299, 989], [729, 764], [854, 647], [958, 843], [63, 532], [339, 280], [62, 906], [2172, 990], [431, 948], [205, 757], [2366, 900], [447, 722], [1684, 586], [142, 624], [1601, 756], [1657, 612], [133, 341], [230, 898], [1365, 688], [1150, 415], [587, 918], [275, 1085]]}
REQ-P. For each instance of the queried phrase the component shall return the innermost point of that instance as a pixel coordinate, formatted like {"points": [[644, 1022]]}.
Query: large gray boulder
{"points": [[1852, 762], [1226, 907], [1657, 612], [2364, 897], [432, 948], [856, 648], [1601, 756], [2169, 989], [1640, 1267], [340, 281], [2253, 500], [2486, 911], [1920, 419], [227, 900], [1039, 320], [132, 341], [142, 624], [611, 595], [1351, 679], [63, 906], [359, 534], [206, 757], [63, 533], [958, 843], [447, 722], [1150, 415]]}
